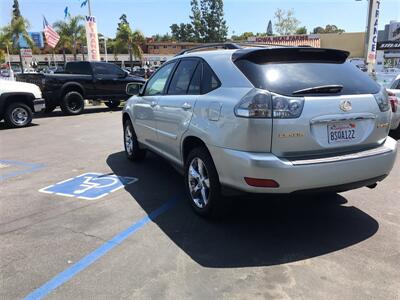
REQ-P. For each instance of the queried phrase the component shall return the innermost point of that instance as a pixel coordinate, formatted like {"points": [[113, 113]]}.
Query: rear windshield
{"points": [[287, 77]]}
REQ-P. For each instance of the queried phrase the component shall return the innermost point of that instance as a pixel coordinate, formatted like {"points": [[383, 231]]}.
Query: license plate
{"points": [[342, 133]]}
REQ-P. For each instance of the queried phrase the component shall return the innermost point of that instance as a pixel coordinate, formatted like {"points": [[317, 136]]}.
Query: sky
{"points": [[155, 16]]}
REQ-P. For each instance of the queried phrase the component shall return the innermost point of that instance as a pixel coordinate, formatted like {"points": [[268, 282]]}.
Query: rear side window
{"points": [[209, 80], [107, 69], [182, 76], [285, 78], [79, 68], [195, 83]]}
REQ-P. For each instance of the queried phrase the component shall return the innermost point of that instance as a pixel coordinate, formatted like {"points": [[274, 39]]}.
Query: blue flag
{"points": [[84, 3], [66, 12]]}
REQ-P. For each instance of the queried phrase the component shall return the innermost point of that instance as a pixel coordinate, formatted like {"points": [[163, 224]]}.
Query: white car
{"points": [[394, 94], [18, 101]]}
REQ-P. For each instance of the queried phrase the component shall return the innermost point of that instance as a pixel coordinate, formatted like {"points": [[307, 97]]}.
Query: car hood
{"points": [[7, 86]]}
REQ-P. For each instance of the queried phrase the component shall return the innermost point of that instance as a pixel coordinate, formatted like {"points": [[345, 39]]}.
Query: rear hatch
{"points": [[340, 112]]}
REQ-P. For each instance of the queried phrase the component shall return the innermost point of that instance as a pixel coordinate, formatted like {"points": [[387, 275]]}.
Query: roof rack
{"points": [[229, 45], [212, 45]]}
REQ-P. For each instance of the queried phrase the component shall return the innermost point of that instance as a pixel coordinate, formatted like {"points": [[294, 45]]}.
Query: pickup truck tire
{"points": [[132, 148], [202, 181], [18, 114], [72, 103], [113, 103]]}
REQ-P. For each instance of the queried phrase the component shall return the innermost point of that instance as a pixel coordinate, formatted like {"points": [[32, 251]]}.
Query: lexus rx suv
{"points": [[262, 120]]}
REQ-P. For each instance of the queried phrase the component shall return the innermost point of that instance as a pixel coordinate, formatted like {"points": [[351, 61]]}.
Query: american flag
{"points": [[51, 35]]}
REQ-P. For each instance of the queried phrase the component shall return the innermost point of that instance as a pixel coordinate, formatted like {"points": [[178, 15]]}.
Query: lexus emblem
{"points": [[345, 105]]}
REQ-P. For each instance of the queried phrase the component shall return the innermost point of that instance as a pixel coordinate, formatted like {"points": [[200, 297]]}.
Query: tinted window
{"points": [[156, 83], [79, 68], [194, 86], [396, 85], [107, 69], [209, 80], [288, 77], [182, 76]]}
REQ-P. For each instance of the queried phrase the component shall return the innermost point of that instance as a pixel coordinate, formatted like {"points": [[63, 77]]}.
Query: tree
{"points": [[72, 33], [328, 29], [214, 24], [301, 30], [285, 22], [16, 12], [128, 39], [243, 37], [182, 32], [207, 23], [14, 31], [269, 29], [196, 20]]}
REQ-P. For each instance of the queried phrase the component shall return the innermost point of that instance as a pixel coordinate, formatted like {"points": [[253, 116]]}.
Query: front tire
{"points": [[72, 103], [18, 115], [202, 183], [113, 103], [131, 144]]}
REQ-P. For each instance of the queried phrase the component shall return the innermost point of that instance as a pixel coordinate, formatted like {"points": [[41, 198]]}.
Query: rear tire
{"points": [[72, 103], [18, 115], [113, 103], [131, 144], [202, 184]]}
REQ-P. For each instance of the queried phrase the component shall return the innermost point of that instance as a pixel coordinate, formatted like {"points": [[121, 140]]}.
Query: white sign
{"points": [[373, 32], [92, 39], [26, 53]]}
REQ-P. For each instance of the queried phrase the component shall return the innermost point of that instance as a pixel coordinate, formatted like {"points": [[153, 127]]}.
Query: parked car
{"points": [[82, 80], [262, 120], [394, 92], [18, 101]]}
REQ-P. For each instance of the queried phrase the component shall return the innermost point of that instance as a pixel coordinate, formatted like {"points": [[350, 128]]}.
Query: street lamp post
{"points": [[105, 47]]}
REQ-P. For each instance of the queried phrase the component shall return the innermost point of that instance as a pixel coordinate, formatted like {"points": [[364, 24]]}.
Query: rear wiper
{"points": [[323, 89]]}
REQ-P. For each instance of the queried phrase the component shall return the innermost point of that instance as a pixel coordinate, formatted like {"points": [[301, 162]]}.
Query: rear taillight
{"points": [[262, 104], [382, 99], [394, 102]]}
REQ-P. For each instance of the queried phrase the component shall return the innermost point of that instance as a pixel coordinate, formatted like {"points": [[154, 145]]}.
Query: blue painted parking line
{"points": [[89, 186], [89, 259], [27, 168]]}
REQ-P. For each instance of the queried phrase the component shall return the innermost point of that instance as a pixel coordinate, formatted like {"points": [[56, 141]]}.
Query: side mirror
{"points": [[133, 88]]}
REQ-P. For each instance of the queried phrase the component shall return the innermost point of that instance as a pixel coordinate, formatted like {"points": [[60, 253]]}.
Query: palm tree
{"points": [[14, 31], [131, 40], [71, 34]]}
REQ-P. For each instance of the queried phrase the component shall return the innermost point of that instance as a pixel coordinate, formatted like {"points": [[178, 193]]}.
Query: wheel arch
{"points": [[72, 87], [7, 98], [189, 143]]}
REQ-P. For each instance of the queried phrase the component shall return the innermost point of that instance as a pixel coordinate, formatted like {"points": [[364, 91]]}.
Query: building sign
{"points": [[289, 40], [92, 39], [373, 33], [388, 45]]}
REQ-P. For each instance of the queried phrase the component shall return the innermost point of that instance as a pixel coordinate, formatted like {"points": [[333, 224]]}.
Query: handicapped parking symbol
{"points": [[89, 186]]}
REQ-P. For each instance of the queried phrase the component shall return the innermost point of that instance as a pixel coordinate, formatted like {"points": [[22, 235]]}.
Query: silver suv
{"points": [[262, 120]]}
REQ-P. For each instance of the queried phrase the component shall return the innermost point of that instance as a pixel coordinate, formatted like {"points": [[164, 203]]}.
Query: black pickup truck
{"points": [[82, 80]]}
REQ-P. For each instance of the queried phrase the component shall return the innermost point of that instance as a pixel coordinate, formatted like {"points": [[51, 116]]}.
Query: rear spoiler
{"points": [[295, 54]]}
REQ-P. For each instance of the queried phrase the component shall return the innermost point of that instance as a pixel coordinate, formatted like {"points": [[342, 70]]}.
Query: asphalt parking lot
{"points": [[142, 240]]}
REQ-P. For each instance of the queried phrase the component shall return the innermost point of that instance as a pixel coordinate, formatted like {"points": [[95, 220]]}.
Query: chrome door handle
{"points": [[186, 106], [153, 103]]}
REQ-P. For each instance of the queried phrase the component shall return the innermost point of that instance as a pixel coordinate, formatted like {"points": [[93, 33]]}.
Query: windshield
{"points": [[288, 77]]}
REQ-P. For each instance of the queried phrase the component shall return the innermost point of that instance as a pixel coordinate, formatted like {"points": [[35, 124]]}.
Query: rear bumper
{"points": [[39, 104], [337, 174]]}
